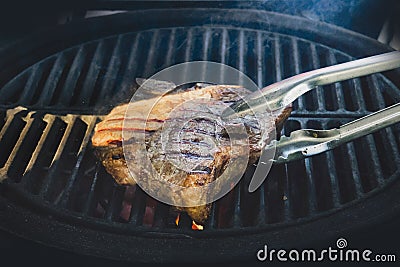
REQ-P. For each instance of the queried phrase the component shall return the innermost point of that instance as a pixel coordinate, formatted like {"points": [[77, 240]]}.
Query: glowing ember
{"points": [[196, 226], [177, 219]]}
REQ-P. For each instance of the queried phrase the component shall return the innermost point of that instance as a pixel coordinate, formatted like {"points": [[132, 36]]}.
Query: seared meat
{"points": [[195, 154]]}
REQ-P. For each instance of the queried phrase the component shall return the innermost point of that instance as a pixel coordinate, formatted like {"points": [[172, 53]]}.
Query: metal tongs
{"points": [[309, 142]]}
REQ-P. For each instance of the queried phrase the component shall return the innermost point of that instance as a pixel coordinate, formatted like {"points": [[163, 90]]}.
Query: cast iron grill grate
{"points": [[48, 159]]}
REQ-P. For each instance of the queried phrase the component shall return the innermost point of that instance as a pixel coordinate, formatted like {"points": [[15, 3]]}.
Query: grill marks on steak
{"points": [[110, 129], [195, 155]]}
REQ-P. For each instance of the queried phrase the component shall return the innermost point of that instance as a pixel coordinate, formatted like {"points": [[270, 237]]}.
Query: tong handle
{"points": [[370, 123], [278, 95]]}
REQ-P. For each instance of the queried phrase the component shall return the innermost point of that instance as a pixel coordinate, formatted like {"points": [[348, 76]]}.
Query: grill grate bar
{"points": [[211, 222], [321, 103], [9, 91], [300, 102], [202, 52], [261, 218], [333, 179], [112, 69], [171, 41], [224, 41], [240, 58], [287, 205], [88, 88], [151, 55], [358, 94], [71, 81], [189, 46], [277, 59], [388, 151], [53, 79], [206, 44], [9, 118], [90, 122], [374, 84], [29, 120], [311, 186], [355, 170], [138, 207], [111, 203], [332, 60], [127, 79], [49, 119], [308, 163], [224, 52], [393, 145], [377, 167], [69, 119], [237, 222], [115, 203], [33, 81], [332, 174], [91, 194], [161, 215], [296, 57], [285, 186], [260, 63]]}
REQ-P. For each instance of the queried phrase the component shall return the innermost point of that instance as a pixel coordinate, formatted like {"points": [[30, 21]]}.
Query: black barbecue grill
{"points": [[55, 192]]}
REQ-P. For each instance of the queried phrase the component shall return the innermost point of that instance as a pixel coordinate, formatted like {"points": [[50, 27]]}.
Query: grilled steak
{"points": [[196, 152]]}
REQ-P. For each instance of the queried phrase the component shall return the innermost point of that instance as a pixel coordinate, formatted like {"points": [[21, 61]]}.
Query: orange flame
{"points": [[196, 226], [177, 219]]}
